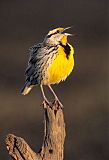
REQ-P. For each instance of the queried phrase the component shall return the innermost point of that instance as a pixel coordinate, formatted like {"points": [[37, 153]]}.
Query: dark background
{"points": [[84, 93]]}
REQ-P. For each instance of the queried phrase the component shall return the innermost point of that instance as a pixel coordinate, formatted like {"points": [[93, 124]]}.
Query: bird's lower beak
{"points": [[68, 34]]}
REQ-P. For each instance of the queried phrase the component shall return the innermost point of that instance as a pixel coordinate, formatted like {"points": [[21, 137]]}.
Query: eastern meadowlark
{"points": [[50, 62]]}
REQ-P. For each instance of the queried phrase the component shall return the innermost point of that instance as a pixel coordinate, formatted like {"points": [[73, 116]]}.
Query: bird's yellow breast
{"points": [[61, 66]]}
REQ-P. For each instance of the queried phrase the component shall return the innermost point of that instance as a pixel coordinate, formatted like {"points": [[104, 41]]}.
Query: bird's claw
{"points": [[59, 104], [46, 103]]}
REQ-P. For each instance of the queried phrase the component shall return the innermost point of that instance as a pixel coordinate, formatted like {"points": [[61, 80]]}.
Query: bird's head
{"points": [[57, 36]]}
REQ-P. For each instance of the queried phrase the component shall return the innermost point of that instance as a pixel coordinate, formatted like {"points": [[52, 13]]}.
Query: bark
{"points": [[54, 136]]}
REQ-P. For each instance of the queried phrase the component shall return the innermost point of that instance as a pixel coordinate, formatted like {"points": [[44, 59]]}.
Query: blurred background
{"points": [[84, 94]]}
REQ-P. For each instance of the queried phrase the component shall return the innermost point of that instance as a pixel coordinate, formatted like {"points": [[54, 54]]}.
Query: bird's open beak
{"points": [[68, 34]]}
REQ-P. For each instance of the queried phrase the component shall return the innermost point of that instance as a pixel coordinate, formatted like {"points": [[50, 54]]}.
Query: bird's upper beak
{"points": [[67, 28]]}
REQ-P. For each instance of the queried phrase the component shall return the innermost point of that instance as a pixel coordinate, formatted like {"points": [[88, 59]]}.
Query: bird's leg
{"points": [[56, 98], [45, 99]]}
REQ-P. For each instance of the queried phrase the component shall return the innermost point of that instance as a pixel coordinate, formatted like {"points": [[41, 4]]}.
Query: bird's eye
{"points": [[49, 35], [58, 31]]}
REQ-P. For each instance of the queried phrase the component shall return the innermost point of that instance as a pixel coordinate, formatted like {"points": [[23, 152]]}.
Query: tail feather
{"points": [[26, 89]]}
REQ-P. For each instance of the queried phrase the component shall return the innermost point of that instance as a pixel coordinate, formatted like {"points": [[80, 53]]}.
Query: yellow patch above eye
{"points": [[60, 29]]}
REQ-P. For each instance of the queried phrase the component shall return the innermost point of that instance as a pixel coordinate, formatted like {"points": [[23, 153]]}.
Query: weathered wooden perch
{"points": [[53, 143]]}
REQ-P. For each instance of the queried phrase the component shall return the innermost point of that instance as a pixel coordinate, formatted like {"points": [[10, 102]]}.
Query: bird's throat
{"points": [[67, 49]]}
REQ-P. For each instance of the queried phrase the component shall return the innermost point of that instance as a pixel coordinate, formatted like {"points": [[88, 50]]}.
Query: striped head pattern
{"points": [[57, 36]]}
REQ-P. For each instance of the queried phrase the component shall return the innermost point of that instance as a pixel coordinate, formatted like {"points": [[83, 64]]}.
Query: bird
{"points": [[50, 62]]}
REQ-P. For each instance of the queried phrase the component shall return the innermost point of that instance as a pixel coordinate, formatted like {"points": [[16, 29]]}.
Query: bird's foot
{"points": [[58, 103], [47, 103], [50, 104]]}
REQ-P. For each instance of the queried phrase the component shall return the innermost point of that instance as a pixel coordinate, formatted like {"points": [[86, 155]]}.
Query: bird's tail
{"points": [[26, 89]]}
